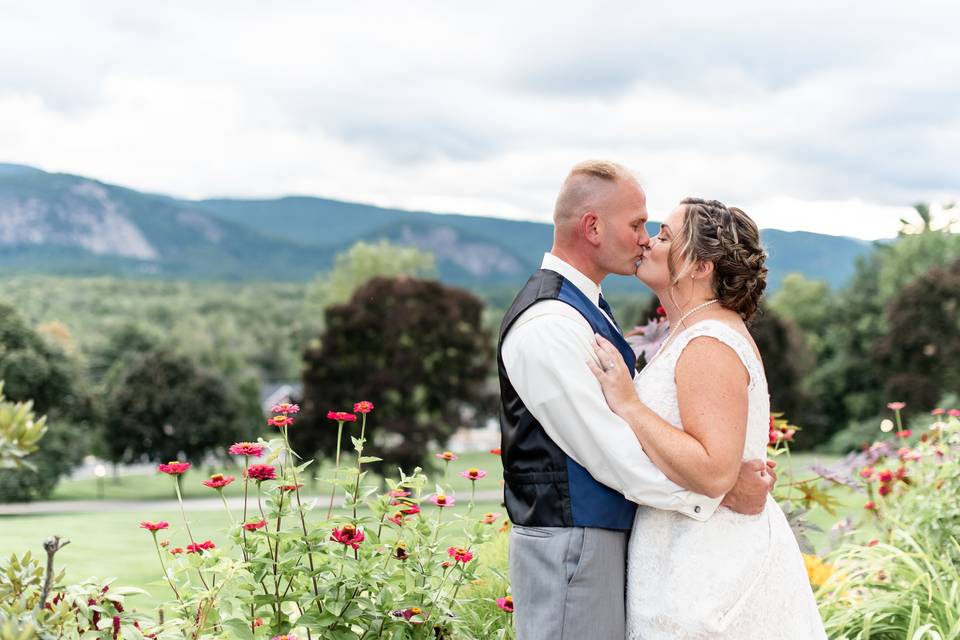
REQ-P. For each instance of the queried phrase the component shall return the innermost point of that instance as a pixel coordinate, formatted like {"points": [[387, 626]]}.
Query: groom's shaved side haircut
{"points": [[586, 184]]}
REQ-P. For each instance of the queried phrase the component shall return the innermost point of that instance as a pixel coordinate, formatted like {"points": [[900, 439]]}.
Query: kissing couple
{"points": [[641, 500]]}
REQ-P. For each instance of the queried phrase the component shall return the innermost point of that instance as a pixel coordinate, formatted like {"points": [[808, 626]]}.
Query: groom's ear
{"points": [[590, 227]]}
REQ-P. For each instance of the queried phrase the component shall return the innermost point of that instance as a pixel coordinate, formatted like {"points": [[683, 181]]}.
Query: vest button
{"points": [[696, 509]]}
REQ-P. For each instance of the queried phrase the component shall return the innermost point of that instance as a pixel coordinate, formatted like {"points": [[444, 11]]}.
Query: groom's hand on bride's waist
{"points": [[755, 481]]}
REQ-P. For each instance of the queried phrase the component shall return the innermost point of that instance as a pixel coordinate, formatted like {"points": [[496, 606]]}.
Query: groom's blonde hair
{"points": [[587, 182]]}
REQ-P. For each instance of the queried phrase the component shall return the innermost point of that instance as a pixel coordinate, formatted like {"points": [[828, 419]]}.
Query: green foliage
{"points": [[416, 348], [807, 303], [61, 450], [163, 405], [20, 432], [362, 262], [921, 349]]}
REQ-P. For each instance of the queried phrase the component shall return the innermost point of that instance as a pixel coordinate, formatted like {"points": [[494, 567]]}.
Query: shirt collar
{"points": [[580, 281]]}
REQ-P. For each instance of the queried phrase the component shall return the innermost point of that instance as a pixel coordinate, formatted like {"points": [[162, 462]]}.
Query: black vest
{"points": [[544, 487]]}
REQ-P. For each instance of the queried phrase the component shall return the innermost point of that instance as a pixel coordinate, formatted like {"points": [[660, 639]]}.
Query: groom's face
{"points": [[624, 230]]}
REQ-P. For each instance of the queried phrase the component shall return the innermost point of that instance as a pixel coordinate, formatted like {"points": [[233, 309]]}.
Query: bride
{"points": [[699, 408]]}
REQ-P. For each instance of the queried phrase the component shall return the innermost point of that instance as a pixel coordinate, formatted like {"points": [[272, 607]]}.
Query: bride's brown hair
{"points": [[730, 239]]}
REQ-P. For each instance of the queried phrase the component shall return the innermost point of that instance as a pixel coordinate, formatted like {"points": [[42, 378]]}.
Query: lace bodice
{"points": [[731, 577], [657, 388]]}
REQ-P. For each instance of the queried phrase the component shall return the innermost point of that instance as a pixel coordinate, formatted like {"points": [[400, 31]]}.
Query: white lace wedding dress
{"points": [[733, 576]]}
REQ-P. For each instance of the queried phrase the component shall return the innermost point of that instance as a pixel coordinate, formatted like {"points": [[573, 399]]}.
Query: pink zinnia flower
{"points": [[253, 526], [449, 456], [442, 501], [218, 481], [896, 406], [364, 406], [954, 413], [459, 554], [285, 408], [870, 505], [506, 603], [174, 468], [286, 636], [489, 518], [341, 416], [397, 518], [280, 421], [398, 493], [348, 535], [473, 474], [254, 449], [938, 412], [867, 473], [154, 526], [906, 433], [261, 472]]}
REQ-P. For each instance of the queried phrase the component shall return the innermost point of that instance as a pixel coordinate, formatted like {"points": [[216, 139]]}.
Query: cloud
{"points": [[482, 109]]}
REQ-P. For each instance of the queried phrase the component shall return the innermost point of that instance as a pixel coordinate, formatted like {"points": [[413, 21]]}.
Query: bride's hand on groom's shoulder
{"points": [[611, 371]]}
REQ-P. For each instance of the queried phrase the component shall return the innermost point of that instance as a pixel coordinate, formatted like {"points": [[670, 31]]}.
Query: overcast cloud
{"points": [[832, 117]]}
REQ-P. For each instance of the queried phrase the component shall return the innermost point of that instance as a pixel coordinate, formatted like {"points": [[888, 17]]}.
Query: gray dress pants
{"points": [[568, 583]]}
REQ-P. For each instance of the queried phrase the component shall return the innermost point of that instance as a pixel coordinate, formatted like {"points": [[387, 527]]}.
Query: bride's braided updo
{"points": [[727, 237]]}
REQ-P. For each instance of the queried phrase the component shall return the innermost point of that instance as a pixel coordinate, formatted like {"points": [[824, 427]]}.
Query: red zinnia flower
{"points": [[442, 501], [291, 487], [280, 421], [285, 408], [411, 510], [473, 474], [397, 518], [896, 406], [507, 603], [174, 468], [489, 518], [218, 481], [341, 416], [200, 546], [885, 489], [449, 456], [886, 476], [364, 406], [497, 452], [870, 505], [261, 472], [906, 433], [873, 543], [175, 551], [348, 535], [246, 449], [459, 554], [253, 526], [154, 526]]}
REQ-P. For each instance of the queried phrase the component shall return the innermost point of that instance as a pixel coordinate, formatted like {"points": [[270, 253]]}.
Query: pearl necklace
{"points": [[674, 330]]}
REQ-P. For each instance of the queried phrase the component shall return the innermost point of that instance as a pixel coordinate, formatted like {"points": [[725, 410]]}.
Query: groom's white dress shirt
{"points": [[545, 354]]}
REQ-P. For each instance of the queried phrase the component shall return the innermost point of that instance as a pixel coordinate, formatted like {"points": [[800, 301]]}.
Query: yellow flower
{"points": [[818, 571]]}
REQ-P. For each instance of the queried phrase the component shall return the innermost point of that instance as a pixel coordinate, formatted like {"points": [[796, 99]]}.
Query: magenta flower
{"points": [[459, 554], [448, 456], [174, 468], [200, 546], [506, 603], [218, 481], [364, 406], [280, 421], [348, 535], [254, 449], [442, 501], [261, 472], [253, 526], [474, 474], [285, 408], [896, 406], [341, 416], [154, 526]]}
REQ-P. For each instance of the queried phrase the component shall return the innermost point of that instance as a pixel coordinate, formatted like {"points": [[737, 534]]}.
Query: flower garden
{"points": [[411, 560]]}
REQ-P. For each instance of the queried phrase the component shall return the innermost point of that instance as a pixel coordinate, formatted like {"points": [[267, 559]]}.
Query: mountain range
{"points": [[59, 223]]}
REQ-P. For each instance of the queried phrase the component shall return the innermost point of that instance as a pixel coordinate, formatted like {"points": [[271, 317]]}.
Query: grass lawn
{"points": [[111, 544], [158, 486]]}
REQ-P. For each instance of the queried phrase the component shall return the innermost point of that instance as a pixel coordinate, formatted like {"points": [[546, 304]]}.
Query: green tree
{"points": [[416, 349], [362, 262], [806, 303], [164, 406], [920, 352]]}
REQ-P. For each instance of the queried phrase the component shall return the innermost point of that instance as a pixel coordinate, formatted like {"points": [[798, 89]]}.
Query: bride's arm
{"points": [[712, 395]]}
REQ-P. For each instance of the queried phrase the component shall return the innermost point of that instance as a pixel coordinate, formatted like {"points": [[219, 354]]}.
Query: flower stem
{"points": [[163, 566], [233, 522], [303, 521], [336, 470], [356, 488]]}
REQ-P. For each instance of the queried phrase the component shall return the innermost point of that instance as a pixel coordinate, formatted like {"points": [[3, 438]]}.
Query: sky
{"points": [[832, 117]]}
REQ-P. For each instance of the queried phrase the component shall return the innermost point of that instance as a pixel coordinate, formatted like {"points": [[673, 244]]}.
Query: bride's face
{"points": [[653, 269]]}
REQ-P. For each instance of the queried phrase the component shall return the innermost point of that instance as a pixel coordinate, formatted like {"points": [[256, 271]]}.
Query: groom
{"points": [[574, 471]]}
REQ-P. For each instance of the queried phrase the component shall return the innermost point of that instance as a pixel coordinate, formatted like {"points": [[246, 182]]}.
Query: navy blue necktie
{"points": [[606, 308]]}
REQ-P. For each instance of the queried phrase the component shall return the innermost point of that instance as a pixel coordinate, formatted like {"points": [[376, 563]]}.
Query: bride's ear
{"points": [[704, 269]]}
